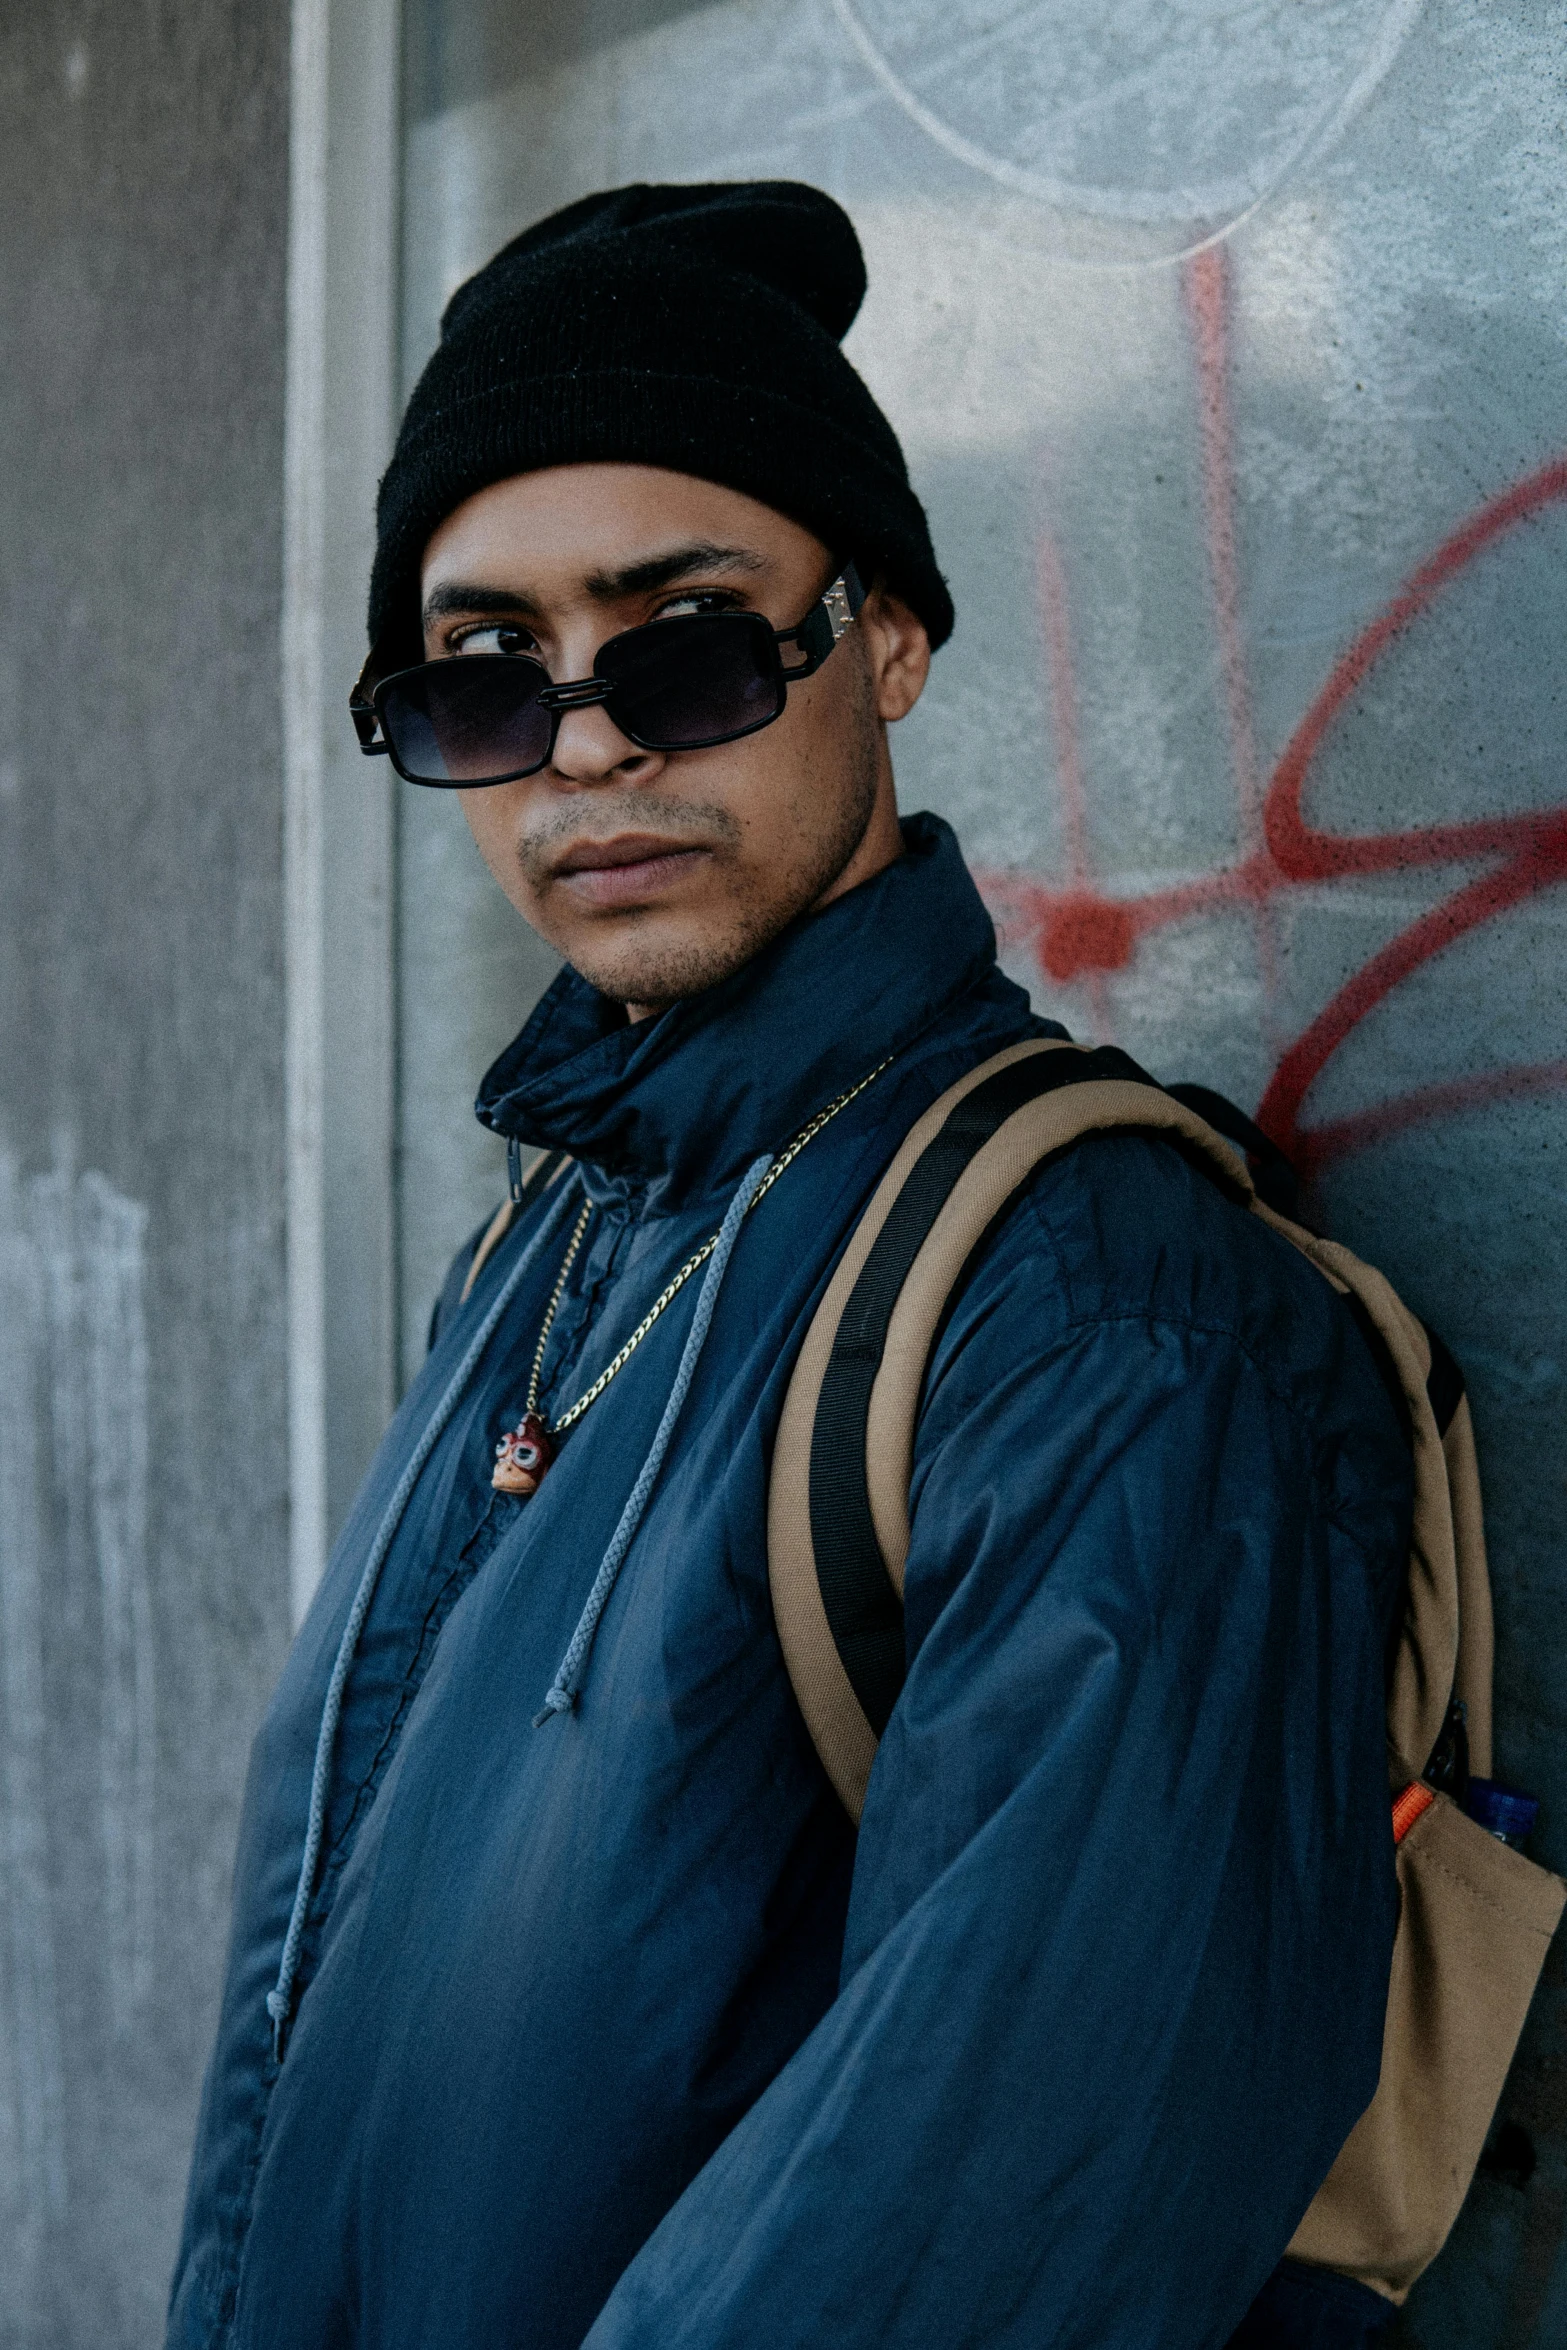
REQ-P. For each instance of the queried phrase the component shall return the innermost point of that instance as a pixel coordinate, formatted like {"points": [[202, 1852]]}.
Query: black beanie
{"points": [[694, 328]]}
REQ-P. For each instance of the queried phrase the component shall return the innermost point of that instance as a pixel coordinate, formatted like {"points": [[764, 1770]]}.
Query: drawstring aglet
{"points": [[277, 2009], [559, 1701]]}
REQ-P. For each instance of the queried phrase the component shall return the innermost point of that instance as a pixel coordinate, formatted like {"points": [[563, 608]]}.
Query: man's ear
{"points": [[898, 650]]}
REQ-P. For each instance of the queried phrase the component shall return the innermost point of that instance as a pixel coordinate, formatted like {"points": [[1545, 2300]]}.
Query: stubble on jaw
{"points": [[637, 965]]}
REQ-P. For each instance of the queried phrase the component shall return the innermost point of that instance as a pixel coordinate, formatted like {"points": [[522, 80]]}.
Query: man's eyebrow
{"points": [[461, 595], [464, 596], [656, 571]]}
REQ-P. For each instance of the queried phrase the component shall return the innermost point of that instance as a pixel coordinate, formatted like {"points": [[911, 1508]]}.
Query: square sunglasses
{"points": [[683, 684]]}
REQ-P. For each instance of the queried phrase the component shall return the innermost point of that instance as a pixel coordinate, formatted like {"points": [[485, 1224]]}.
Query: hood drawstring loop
{"points": [[280, 1998], [563, 1691]]}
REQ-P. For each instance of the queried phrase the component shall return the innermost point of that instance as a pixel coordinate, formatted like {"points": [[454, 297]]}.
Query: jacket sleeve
{"points": [[1118, 1946]]}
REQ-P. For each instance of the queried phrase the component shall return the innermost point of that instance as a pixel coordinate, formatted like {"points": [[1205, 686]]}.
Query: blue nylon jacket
{"points": [[612, 2030]]}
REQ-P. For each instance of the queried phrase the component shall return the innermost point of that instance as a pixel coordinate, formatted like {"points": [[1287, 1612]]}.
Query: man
{"points": [[563, 2002]]}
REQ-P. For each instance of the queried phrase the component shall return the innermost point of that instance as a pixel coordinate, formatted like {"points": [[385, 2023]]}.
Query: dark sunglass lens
{"points": [[683, 684], [474, 718]]}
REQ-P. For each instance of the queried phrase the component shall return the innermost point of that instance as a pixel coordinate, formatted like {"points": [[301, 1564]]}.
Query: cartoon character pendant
{"points": [[522, 1456]]}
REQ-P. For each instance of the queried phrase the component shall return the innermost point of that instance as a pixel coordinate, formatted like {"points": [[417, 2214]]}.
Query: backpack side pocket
{"points": [[1475, 1922]]}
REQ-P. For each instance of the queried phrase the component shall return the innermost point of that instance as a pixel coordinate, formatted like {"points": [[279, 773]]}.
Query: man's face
{"points": [[657, 873]]}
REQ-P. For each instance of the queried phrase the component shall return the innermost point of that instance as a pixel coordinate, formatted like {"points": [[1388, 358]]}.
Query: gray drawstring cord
{"points": [[280, 1997], [563, 1693]]}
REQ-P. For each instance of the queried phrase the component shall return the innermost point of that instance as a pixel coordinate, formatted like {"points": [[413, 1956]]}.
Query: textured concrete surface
{"points": [[143, 1591]]}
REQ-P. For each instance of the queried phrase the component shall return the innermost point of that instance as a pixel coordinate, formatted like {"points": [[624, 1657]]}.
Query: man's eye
{"points": [[501, 636], [698, 600]]}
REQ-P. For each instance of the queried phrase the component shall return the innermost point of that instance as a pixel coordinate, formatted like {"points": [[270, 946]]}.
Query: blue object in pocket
{"points": [[1504, 1811]]}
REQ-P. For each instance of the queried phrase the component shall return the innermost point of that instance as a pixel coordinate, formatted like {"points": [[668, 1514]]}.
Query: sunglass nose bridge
{"points": [[578, 693]]}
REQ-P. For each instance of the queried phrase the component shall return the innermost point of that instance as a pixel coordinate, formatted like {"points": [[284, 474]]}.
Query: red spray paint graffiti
{"points": [[1081, 933]]}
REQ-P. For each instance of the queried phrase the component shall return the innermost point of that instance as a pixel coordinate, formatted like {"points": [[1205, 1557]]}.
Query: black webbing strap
{"points": [[864, 1613], [1278, 1185], [1444, 1382]]}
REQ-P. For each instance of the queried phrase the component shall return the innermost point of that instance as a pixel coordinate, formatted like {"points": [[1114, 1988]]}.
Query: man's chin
{"points": [[655, 962]]}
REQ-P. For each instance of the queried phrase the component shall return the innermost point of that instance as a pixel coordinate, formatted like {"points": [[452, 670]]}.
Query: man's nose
{"points": [[590, 748]]}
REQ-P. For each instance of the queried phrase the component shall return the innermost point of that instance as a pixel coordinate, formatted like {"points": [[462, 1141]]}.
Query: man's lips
{"points": [[627, 870]]}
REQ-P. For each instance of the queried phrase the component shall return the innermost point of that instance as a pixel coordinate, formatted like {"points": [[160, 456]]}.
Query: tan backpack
{"points": [[1476, 1917]]}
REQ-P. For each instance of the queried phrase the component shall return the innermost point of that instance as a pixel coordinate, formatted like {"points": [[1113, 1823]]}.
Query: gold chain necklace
{"points": [[523, 1455]]}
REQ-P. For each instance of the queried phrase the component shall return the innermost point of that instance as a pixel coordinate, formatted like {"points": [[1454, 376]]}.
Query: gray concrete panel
{"points": [[143, 1506]]}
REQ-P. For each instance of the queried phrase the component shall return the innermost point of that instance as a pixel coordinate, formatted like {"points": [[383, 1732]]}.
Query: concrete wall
{"points": [[143, 1572]]}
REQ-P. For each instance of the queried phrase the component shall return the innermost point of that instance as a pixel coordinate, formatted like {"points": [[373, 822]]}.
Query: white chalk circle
{"points": [[1168, 120]]}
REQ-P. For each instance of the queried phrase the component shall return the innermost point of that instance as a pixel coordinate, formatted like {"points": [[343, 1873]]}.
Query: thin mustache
{"points": [[687, 824]]}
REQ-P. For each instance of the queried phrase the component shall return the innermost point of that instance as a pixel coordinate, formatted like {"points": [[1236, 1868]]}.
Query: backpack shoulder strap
{"points": [[1426, 1664], [838, 1530], [539, 1177], [1476, 1632], [838, 1523], [489, 1241]]}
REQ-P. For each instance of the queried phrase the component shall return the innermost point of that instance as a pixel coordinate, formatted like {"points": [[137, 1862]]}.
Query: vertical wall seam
{"points": [[339, 866], [304, 468]]}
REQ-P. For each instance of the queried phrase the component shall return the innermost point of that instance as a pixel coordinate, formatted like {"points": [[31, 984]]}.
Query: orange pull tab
{"points": [[1407, 1808]]}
